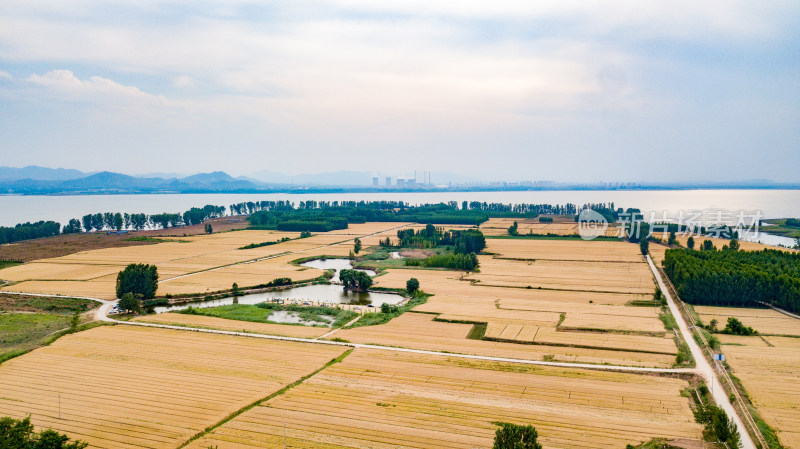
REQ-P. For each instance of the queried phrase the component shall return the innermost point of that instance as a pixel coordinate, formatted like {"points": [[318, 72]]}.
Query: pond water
{"points": [[768, 239], [288, 317], [334, 264], [320, 294]]}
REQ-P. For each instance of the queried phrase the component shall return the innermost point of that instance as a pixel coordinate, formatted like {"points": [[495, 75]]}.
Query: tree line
{"points": [[27, 231], [736, 278]]}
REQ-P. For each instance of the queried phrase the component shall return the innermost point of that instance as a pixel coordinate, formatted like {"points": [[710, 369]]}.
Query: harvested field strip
{"points": [[420, 331], [386, 400], [529, 334], [164, 385], [770, 376], [207, 322], [765, 321]]}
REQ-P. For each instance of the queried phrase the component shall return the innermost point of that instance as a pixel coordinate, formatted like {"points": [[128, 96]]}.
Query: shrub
{"points": [[513, 436], [130, 303], [412, 285], [735, 327]]}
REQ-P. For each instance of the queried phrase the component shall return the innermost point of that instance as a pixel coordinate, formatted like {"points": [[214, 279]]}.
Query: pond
{"points": [[320, 294], [334, 264]]}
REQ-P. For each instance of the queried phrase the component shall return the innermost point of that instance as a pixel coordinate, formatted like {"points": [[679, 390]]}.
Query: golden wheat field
{"points": [[420, 331], [570, 250], [770, 373], [208, 322], [565, 275], [378, 399], [131, 387], [765, 321], [499, 227], [184, 263]]}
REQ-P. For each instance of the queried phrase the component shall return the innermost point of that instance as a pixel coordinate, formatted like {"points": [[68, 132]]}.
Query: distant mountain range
{"points": [[35, 180]]}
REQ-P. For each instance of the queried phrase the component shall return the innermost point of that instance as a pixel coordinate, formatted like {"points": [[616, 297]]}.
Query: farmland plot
{"points": [[770, 374], [571, 250], [565, 275], [380, 399], [93, 273], [765, 321], [420, 331], [208, 322], [127, 387]]}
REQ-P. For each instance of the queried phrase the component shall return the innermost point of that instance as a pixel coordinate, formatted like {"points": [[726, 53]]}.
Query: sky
{"points": [[578, 91]]}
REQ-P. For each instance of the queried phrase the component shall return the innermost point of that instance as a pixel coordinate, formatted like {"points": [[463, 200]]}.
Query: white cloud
{"points": [[66, 84], [5, 75]]}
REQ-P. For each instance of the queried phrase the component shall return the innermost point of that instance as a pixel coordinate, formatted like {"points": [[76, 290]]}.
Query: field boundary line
{"points": [[333, 331], [778, 309], [260, 401]]}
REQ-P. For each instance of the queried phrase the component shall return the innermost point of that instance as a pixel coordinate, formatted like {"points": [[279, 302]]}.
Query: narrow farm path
{"points": [[703, 367], [333, 331]]}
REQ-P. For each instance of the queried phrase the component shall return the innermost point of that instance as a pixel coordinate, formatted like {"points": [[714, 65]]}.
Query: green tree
{"points": [[209, 229], [355, 280], [235, 291], [708, 245], [690, 242], [20, 434], [644, 246], [357, 245], [141, 279], [73, 227], [74, 321], [130, 303], [412, 285], [672, 239], [118, 221], [513, 436], [513, 229], [734, 245]]}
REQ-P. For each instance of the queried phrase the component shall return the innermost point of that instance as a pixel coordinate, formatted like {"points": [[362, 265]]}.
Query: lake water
{"points": [[772, 203], [313, 294]]}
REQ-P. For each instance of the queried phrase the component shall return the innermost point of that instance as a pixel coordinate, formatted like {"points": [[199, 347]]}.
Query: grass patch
{"points": [[375, 318], [260, 313], [37, 338], [23, 303], [655, 443], [477, 332], [28, 322], [8, 263], [262, 244]]}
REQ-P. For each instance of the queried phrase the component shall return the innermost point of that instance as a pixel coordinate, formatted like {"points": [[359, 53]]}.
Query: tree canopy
{"points": [[20, 434], [513, 436], [736, 278], [138, 279]]}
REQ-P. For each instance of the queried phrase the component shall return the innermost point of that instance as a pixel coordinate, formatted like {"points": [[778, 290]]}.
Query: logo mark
{"points": [[591, 224]]}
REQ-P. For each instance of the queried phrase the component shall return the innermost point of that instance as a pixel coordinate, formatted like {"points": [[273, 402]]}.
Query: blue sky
{"points": [[556, 90]]}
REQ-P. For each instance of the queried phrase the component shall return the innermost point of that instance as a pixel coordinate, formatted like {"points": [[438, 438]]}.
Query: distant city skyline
{"points": [[566, 91]]}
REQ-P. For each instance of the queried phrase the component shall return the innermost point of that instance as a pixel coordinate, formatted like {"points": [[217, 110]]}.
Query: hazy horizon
{"points": [[561, 91]]}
